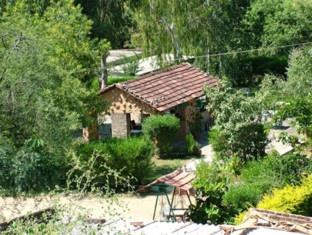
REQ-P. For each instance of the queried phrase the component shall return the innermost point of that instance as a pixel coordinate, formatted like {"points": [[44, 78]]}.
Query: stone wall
{"points": [[121, 102]]}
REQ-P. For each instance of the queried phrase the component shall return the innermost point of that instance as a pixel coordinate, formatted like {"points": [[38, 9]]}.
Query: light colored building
{"points": [[177, 90]]}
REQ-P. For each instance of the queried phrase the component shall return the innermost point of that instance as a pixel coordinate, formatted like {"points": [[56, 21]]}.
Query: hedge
{"points": [[162, 131]]}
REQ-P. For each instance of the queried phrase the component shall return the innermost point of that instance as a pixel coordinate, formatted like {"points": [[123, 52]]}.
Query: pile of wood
{"points": [[41, 216], [257, 218]]}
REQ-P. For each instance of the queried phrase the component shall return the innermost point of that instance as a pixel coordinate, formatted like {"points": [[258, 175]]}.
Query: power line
{"points": [[239, 52], [251, 50], [243, 51]]}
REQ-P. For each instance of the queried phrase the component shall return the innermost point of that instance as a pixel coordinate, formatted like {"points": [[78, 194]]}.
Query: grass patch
{"points": [[116, 79]]}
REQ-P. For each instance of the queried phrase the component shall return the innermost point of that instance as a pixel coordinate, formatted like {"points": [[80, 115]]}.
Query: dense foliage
{"points": [[210, 184], [202, 28], [162, 130], [289, 99], [222, 193], [238, 130], [290, 199], [47, 62], [259, 177], [48, 89], [30, 168], [192, 146], [211, 27], [131, 157], [112, 20], [297, 90]]}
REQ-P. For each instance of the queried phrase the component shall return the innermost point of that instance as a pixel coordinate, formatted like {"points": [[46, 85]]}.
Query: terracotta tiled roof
{"points": [[180, 179], [166, 88]]}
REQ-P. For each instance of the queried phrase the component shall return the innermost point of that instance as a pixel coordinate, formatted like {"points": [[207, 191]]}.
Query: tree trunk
{"points": [[91, 132], [104, 73]]}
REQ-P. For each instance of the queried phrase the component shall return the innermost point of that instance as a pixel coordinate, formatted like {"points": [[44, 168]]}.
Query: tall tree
{"points": [[112, 20], [47, 67], [278, 22], [203, 27], [189, 27]]}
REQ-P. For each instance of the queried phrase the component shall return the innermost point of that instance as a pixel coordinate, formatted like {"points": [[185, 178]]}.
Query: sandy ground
{"points": [[128, 206], [207, 152]]}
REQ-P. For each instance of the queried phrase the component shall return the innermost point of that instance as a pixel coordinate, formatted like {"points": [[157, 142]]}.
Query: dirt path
{"points": [[128, 206]]}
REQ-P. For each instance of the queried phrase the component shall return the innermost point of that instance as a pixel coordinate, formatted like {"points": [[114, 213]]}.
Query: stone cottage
{"points": [[176, 90]]}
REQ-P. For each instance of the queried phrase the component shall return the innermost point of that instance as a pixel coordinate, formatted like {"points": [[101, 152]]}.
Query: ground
{"points": [[130, 206], [133, 206], [205, 148], [276, 144]]}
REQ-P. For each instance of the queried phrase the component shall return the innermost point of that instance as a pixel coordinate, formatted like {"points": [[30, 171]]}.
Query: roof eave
{"points": [[101, 92]]}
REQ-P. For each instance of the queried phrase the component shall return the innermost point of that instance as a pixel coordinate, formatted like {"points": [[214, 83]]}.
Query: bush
{"points": [[6, 153], [260, 177], [210, 184], [162, 131], [131, 156], [93, 174], [115, 79], [218, 141], [246, 141], [290, 199], [30, 169], [221, 195], [249, 141], [192, 146]]}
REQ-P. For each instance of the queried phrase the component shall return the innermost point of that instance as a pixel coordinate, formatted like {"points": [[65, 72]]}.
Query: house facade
{"points": [[177, 90]]}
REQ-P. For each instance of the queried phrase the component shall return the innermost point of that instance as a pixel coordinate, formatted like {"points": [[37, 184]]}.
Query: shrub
{"points": [[162, 131], [260, 177], [131, 156], [94, 175], [131, 67], [218, 141], [246, 141], [6, 152], [290, 199], [30, 169], [249, 141], [192, 146], [240, 218], [221, 196], [244, 196], [115, 79], [210, 184]]}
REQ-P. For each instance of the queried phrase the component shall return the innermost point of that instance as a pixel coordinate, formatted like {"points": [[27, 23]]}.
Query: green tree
{"points": [[279, 22], [295, 93], [47, 65], [211, 183], [112, 20], [291, 97], [188, 27], [238, 130]]}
